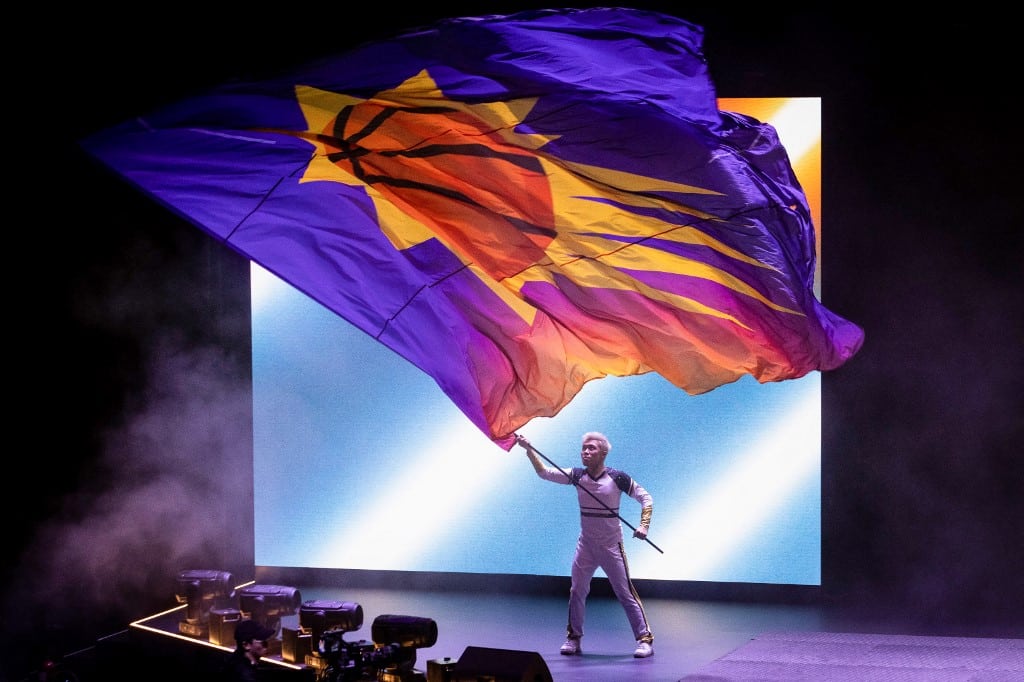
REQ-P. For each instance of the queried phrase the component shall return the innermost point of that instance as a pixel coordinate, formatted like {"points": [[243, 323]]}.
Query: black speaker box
{"points": [[482, 664]]}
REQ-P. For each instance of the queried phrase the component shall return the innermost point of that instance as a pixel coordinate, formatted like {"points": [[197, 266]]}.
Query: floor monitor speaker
{"points": [[483, 664]]}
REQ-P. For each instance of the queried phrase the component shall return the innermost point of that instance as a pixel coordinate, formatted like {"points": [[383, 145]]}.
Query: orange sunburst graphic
{"points": [[447, 169]]}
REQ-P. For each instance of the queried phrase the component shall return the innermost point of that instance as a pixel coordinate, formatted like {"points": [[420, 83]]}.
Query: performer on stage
{"points": [[600, 542]]}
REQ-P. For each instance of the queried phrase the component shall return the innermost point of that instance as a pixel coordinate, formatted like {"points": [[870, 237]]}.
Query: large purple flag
{"points": [[517, 205]]}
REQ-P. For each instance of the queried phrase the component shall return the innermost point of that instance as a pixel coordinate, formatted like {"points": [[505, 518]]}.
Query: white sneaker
{"points": [[643, 650], [571, 647]]}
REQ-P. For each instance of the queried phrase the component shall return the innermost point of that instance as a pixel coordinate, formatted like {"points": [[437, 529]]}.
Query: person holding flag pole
{"points": [[600, 543]]}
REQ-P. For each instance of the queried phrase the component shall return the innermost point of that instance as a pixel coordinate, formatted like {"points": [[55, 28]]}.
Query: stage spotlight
{"points": [[397, 639], [317, 616], [202, 590], [408, 631], [320, 616], [266, 604], [390, 657]]}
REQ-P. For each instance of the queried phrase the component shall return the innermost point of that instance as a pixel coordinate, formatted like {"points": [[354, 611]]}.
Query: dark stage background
{"points": [[130, 457]]}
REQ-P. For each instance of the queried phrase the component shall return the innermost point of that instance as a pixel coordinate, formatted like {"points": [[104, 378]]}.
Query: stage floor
{"points": [[689, 635]]}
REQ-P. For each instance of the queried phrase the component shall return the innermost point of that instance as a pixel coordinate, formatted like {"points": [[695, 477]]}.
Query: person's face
{"points": [[257, 648], [591, 453]]}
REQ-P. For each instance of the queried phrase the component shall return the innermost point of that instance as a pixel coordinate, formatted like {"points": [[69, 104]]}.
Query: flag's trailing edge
{"points": [[515, 204]]}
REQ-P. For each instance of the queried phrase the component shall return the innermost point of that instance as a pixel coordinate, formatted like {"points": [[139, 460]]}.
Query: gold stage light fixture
{"points": [[202, 590]]}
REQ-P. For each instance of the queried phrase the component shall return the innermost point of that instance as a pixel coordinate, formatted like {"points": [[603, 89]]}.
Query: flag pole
{"points": [[544, 457]]}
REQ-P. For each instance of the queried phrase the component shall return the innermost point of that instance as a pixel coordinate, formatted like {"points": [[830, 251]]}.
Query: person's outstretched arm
{"points": [[547, 473]]}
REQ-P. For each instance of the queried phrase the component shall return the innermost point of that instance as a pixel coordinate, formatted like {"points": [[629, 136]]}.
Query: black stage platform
{"points": [[158, 639], [166, 646], [515, 637]]}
